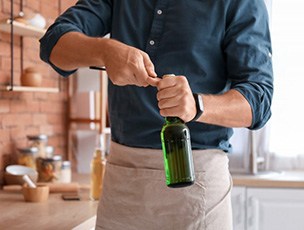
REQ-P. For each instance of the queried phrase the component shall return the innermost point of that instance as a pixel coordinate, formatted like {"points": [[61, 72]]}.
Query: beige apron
{"points": [[135, 195]]}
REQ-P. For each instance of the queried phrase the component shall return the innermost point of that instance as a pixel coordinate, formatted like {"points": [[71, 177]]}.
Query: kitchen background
{"points": [[270, 199], [30, 113], [27, 113]]}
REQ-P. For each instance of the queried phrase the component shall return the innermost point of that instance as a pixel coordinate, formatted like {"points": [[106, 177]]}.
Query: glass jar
{"points": [[66, 172], [49, 169], [27, 157], [39, 141], [49, 151]]}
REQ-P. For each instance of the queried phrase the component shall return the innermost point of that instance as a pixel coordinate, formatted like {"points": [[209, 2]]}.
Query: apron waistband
{"points": [[153, 158]]}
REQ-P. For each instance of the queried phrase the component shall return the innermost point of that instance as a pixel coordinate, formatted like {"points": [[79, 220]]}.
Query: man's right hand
{"points": [[125, 64]]}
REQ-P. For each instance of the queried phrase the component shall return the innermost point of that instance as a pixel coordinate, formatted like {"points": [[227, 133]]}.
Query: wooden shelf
{"points": [[21, 29], [29, 89]]}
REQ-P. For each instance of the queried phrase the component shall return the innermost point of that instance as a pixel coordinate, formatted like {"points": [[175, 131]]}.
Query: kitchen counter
{"points": [[284, 179], [53, 214], [79, 215]]}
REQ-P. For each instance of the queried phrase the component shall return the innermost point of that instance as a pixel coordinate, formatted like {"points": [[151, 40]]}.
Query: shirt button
{"points": [[269, 54], [159, 12], [152, 42]]}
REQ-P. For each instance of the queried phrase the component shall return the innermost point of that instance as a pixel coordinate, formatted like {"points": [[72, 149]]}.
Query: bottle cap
{"points": [[168, 75]]}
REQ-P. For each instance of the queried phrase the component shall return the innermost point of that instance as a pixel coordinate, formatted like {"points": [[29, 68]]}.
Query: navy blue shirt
{"points": [[217, 44]]}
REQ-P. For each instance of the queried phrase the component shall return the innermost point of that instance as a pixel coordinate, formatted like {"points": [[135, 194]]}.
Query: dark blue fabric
{"points": [[216, 44]]}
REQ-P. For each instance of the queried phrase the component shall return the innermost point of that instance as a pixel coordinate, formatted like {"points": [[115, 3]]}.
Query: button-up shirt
{"points": [[217, 44]]}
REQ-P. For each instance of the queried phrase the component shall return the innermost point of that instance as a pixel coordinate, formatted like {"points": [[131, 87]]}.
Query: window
{"points": [[279, 143], [287, 122]]}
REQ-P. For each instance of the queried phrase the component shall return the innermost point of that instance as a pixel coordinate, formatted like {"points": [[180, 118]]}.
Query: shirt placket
{"points": [[157, 27]]}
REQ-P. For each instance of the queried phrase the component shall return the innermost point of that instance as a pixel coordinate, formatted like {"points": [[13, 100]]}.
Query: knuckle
{"points": [[145, 55], [137, 55], [183, 79], [183, 91], [181, 98], [159, 105], [162, 113], [159, 96]]}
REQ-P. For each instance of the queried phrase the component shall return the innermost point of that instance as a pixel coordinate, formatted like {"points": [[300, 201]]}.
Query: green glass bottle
{"points": [[178, 160]]}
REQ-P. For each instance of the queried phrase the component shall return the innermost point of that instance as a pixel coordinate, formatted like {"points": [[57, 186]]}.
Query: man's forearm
{"points": [[126, 65], [230, 109], [74, 50]]}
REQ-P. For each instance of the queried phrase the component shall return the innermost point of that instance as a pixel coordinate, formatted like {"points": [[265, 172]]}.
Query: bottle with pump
{"points": [[97, 170], [176, 145]]}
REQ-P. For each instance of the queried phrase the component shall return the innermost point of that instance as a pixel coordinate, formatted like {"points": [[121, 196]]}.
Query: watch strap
{"points": [[199, 106]]}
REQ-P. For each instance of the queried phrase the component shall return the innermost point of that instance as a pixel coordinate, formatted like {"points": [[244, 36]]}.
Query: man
{"points": [[220, 52]]}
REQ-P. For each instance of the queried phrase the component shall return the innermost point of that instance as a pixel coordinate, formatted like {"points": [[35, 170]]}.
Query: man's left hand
{"points": [[175, 98]]}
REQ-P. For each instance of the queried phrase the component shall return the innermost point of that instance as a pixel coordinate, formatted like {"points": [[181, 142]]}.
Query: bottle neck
{"points": [[97, 153], [172, 120]]}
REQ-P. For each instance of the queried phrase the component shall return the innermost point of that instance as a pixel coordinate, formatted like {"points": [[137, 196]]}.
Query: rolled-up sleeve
{"points": [[248, 54], [92, 18]]}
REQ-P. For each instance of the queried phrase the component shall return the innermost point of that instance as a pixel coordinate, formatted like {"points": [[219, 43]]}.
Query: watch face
{"points": [[200, 103], [199, 106]]}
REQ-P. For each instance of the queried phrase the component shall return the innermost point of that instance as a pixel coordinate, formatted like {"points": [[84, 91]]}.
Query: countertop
{"points": [[79, 215], [272, 179], [52, 214]]}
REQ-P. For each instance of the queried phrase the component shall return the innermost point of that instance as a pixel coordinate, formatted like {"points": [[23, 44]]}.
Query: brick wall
{"points": [[29, 113]]}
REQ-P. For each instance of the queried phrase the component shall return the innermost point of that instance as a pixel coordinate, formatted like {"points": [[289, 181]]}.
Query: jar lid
{"points": [[30, 150], [66, 164], [41, 137], [57, 158], [49, 150], [51, 159]]}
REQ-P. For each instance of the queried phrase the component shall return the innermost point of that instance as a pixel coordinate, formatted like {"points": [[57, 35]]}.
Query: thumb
{"points": [[153, 81]]}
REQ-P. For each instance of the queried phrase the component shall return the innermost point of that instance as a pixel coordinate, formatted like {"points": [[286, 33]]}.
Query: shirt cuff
{"points": [[260, 107]]}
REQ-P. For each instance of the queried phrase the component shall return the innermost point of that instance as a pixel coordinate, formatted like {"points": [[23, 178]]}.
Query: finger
{"points": [[178, 111], [167, 93], [153, 81], [140, 73], [167, 82], [168, 103], [135, 81], [149, 66], [170, 112]]}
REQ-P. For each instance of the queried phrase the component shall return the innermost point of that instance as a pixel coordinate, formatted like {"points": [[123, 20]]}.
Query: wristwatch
{"points": [[199, 106]]}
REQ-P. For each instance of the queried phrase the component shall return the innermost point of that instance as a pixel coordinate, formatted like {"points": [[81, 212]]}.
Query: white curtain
{"points": [[280, 142]]}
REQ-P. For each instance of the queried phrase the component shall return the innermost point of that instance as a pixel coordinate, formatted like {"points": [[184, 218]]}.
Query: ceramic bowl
{"points": [[31, 77], [14, 173]]}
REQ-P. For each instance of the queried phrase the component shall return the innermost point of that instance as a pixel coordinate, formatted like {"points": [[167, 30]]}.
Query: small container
{"points": [[31, 77], [27, 157], [49, 169], [49, 151], [38, 194], [66, 172], [39, 141]]}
